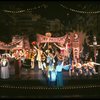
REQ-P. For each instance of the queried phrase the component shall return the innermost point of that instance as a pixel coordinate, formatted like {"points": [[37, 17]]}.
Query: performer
{"points": [[33, 55], [4, 67], [39, 53], [51, 74], [63, 49], [51, 70], [91, 66], [58, 70], [78, 68], [43, 59], [26, 54], [50, 57], [85, 68], [73, 66], [49, 47]]}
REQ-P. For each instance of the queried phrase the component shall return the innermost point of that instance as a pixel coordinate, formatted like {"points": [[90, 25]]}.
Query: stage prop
{"points": [[74, 38], [77, 39], [45, 39], [18, 42]]}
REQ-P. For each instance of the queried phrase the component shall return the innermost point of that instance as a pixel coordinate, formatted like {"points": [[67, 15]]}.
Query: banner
{"points": [[4, 46], [44, 39], [18, 42], [76, 53], [18, 45], [24, 42], [76, 46], [77, 39]]}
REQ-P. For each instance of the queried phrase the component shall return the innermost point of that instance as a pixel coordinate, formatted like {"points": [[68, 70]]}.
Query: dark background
{"points": [[54, 16]]}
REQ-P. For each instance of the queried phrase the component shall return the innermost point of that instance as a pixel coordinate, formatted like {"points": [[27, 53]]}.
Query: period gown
{"points": [[5, 69]]}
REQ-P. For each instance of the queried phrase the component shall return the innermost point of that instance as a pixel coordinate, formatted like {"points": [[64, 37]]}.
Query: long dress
{"points": [[59, 74], [5, 69]]}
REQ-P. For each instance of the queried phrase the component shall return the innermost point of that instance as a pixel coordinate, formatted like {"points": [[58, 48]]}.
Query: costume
{"points": [[4, 68], [59, 74], [51, 74]]}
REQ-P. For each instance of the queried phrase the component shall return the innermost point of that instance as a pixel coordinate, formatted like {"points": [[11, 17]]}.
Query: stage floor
{"points": [[33, 84], [31, 74]]}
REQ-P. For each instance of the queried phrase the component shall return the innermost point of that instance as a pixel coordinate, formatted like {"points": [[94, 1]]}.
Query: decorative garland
{"points": [[21, 11], [79, 11], [49, 88], [45, 6]]}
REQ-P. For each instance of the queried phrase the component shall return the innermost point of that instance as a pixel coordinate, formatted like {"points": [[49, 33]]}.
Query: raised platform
{"points": [[33, 84]]}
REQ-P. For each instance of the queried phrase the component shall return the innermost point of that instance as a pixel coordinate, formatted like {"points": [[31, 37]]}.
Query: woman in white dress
{"points": [[4, 67]]}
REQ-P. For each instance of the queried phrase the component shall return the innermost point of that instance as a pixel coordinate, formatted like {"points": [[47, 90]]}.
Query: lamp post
{"points": [[94, 45]]}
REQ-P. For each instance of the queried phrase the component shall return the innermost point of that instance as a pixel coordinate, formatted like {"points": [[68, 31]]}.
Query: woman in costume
{"points": [[4, 67]]}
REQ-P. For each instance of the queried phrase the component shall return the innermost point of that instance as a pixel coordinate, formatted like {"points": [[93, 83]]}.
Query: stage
{"points": [[33, 84]]}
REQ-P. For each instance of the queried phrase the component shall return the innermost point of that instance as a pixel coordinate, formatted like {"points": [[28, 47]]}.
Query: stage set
{"points": [[49, 64], [51, 54]]}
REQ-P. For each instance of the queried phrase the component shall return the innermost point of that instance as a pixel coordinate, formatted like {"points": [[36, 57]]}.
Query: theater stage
{"points": [[33, 84]]}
